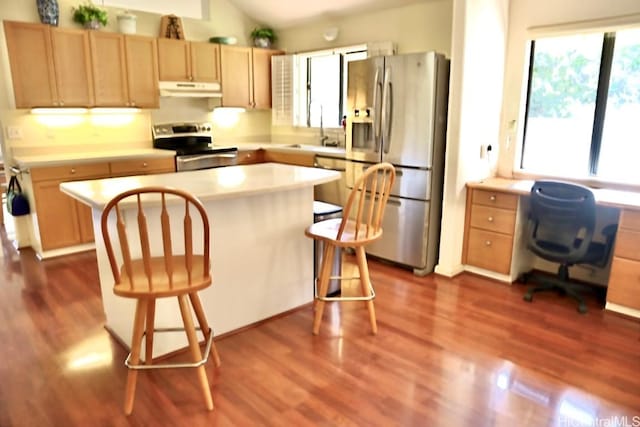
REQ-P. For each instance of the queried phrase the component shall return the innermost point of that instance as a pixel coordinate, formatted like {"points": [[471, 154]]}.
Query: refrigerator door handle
{"points": [[388, 113], [377, 109]]}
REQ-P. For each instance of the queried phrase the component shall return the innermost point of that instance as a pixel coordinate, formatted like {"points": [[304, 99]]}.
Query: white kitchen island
{"points": [[262, 264]]}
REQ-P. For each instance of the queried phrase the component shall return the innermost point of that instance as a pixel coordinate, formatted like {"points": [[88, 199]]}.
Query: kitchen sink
{"points": [[294, 146]]}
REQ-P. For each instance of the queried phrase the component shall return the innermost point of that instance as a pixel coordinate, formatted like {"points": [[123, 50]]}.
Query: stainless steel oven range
{"points": [[193, 144]]}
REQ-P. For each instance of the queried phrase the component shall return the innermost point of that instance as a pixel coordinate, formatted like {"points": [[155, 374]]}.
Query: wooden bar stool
{"points": [[148, 277], [361, 224]]}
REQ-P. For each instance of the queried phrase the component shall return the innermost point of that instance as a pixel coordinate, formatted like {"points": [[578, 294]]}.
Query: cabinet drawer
{"points": [[624, 283], [67, 172], [495, 198], [489, 250], [628, 244], [249, 157], [630, 219], [493, 219], [142, 166]]}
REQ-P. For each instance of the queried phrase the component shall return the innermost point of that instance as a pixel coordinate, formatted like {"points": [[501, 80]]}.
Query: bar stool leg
{"points": [[204, 325], [195, 349], [148, 338], [365, 283], [136, 341], [323, 285]]}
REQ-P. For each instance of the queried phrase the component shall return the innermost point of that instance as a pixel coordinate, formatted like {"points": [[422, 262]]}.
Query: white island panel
{"points": [[262, 264]]}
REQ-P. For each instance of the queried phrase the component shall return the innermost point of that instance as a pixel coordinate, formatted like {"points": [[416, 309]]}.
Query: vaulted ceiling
{"points": [[288, 13]]}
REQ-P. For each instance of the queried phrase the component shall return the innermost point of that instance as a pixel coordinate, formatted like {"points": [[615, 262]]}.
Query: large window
{"points": [[321, 92], [583, 107]]}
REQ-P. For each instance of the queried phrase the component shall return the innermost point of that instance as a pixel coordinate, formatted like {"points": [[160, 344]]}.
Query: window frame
{"points": [[602, 91]]}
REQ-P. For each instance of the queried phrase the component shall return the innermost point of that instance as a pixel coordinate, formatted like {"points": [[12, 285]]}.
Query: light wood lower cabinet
{"points": [[624, 279], [63, 221], [489, 230]]}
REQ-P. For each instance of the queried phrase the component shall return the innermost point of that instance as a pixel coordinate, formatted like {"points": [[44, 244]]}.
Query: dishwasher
{"points": [[334, 192]]}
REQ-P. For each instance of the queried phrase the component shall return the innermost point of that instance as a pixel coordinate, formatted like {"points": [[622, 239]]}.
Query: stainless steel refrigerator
{"points": [[397, 113]]}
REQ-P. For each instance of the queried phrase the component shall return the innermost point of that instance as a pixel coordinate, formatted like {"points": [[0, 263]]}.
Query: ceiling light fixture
{"points": [[330, 33]]}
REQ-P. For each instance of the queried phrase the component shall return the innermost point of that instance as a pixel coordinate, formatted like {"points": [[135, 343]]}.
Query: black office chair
{"points": [[560, 229]]}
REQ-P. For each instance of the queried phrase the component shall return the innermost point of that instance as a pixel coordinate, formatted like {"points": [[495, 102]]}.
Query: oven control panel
{"points": [[182, 129]]}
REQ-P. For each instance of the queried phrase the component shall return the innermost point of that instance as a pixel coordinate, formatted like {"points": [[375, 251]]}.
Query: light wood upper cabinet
{"points": [[142, 71], [109, 69], [50, 67], [31, 60], [262, 77], [181, 60], [125, 70], [237, 78], [246, 76], [205, 61], [72, 63]]}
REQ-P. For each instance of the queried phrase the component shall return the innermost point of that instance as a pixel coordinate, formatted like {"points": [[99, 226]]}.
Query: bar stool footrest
{"points": [[197, 364], [340, 298]]}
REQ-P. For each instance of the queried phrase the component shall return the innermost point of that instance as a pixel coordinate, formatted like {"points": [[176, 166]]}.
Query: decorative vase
{"points": [[94, 24], [48, 11], [262, 42]]}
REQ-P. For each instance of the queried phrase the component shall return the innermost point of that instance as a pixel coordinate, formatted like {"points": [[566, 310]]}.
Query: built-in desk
{"points": [[494, 244]]}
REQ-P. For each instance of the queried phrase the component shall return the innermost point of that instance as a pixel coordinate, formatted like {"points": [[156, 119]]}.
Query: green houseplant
{"points": [[263, 37], [90, 16]]}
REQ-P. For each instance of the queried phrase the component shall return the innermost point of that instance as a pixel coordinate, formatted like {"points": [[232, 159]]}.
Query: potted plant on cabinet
{"points": [[263, 37], [90, 16]]}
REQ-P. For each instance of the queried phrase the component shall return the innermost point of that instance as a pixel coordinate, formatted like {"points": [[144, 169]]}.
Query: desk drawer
{"points": [[624, 283], [495, 198], [630, 219], [493, 219], [628, 244], [489, 250]]}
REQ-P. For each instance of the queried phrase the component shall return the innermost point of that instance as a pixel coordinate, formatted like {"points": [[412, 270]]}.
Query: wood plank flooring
{"points": [[450, 352]]}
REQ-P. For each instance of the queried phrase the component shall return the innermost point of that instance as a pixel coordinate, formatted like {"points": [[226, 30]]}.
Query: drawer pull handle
{"points": [[144, 164], [487, 242], [490, 219], [73, 170], [492, 197]]}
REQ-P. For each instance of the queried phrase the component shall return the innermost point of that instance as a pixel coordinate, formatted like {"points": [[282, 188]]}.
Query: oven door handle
{"points": [[208, 156]]}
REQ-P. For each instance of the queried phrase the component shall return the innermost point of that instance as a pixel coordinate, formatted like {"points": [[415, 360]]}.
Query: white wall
{"points": [[477, 65], [525, 14], [414, 28]]}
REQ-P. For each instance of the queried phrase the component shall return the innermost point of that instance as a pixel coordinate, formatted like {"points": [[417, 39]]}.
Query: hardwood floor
{"points": [[450, 352]]}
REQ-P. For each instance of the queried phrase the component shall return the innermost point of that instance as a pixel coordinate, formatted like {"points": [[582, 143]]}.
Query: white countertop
{"points": [[207, 184], [89, 157]]}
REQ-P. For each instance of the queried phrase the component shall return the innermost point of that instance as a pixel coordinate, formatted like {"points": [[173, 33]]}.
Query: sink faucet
{"points": [[323, 137]]}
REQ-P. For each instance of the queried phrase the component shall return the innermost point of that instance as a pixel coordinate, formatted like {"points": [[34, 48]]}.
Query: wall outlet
{"points": [[14, 132]]}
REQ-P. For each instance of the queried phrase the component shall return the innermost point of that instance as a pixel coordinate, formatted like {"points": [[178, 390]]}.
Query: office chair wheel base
{"points": [[582, 308], [527, 297]]}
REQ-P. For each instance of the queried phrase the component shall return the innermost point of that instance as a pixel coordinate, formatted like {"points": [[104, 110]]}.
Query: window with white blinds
{"points": [[282, 90]]}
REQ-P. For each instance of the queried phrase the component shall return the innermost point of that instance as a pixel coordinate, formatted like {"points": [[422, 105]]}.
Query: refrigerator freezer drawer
{"points": [[405, 231], [411, 183]]}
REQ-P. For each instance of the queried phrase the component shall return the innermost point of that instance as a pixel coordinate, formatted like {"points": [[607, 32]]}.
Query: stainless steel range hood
{"points": [[190, 89]]}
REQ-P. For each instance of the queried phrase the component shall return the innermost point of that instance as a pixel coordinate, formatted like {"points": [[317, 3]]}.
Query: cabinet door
{"points": [[57, 216], [85, 222], [205, 62], [72, 62], [109, 70], [31, 61], [237, 78], [173, 60], [262, 77], [142, 71]]}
